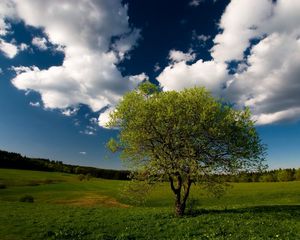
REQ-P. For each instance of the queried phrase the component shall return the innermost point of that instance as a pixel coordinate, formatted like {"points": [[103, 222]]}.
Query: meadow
{"points": [[66, 208]]}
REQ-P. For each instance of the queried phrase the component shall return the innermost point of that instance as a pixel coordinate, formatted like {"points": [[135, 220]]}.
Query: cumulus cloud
{"points": [[83, 30], [267, 79], [105, 117], [202, 73], [285, 115], [7, 12], [8, 49], [239, 24], [124, 43], [23, 46], [69, 111], [178, 56], [263, 36], [269, 84], [40, 43], [82, 153]]}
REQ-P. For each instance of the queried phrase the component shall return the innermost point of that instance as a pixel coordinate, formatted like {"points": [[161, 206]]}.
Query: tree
{"points": [[285, 175], [184, 137], [297, 174]]}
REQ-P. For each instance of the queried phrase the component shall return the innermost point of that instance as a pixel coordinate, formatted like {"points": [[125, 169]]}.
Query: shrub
{"points": [[285, 175], [88, 177], [268, 178], [27, 198], [2, 186], [81, 177], [297, 174]]}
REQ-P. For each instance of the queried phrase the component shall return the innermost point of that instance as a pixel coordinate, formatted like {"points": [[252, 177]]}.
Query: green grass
{"points": [[66, 208]]}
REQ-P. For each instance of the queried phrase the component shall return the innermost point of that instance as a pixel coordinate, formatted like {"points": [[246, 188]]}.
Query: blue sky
{"points": [[66, 64]]}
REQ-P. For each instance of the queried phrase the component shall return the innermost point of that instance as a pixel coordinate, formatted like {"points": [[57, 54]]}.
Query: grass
{"points": [[66, 208]]}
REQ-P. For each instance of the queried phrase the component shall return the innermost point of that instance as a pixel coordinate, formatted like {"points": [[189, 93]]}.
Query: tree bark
{"points": [[180, 201], [179, 209]]}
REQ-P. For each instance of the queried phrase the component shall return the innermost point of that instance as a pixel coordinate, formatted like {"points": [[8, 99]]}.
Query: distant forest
{"points": [[17, 161]]}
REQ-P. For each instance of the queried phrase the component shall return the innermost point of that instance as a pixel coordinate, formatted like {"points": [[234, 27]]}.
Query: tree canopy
{"points": [[184, 137]]}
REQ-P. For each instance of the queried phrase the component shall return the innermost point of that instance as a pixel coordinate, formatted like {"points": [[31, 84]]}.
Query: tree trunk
{"points": [[179, 209], [180, 203]]}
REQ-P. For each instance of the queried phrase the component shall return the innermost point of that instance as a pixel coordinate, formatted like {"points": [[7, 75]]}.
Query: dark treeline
{"points": [[17, 161], [278, 175]]}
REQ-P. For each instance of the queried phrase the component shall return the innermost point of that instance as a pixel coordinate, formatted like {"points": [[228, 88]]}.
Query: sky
{"points": [[65, 64]]}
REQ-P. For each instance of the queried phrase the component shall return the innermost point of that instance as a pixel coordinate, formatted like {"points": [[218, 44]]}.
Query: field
{"points": [[66, 208]]}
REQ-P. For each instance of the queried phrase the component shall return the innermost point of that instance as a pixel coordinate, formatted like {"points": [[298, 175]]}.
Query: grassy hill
{"points": [[66, 208]]}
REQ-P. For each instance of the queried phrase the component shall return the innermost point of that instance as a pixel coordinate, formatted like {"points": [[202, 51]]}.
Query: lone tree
{"points": [[184, 137]]}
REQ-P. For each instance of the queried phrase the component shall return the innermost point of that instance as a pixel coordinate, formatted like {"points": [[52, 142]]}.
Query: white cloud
{"points": [[105, 117], [240, 24], [156, 67], [22, 69], [35, 104], [40, 43], [199, 40], [178, 56], [195, 3], [83, 31], [23, 46], [124, 44], [92, 128], [267, 80], [138, 78], [203, 37], [202, 73], [8, 49], [93, 120], [7, 11], [69, 111], [82, 153], [269, 84], [76, 122], [285, 115], [88, 132]]}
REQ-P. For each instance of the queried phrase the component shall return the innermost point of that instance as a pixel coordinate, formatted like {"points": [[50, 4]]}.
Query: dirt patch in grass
{"points": [[33, 183], [92, 200]]}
